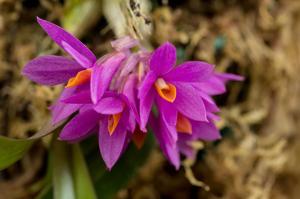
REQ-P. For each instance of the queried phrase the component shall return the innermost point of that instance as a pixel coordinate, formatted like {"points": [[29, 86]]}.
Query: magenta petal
{"points": [[80, 126], [189, 102], [147, 84], [169, 150], [205, 131], [225, 77], [146, 95], [186, 149], [163, 58], [167, 110], [102, 75], [213, 117], [111, 146], [209, 103], [130, 91], [145, 109], [51, 70], [86, 107], [191, 71], [124, 43], [131, 122], [109, 106], [69, 43], [83, 97], [171, 135], [212, 86], [168, 115], [60, 110], [129, 65]]}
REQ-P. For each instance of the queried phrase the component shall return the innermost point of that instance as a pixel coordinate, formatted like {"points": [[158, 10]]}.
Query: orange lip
{"points": [[80, 78], [183, 124], [165, 90], [113, 122]]}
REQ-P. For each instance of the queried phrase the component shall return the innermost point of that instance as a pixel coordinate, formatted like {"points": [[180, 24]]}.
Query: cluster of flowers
{"points": [[127, 91]]}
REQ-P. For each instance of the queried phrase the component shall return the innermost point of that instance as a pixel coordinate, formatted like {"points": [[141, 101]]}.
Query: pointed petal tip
{"points": [[109, 167], [217, 138], [177, 167], [175, 163], [163, 58], [61, 138], [143, 129], [24, 72], [205, 119], [94, 98], [41, 21], [69, 43], [143, 126], [109, 164], [240, 78], [167, 43]]}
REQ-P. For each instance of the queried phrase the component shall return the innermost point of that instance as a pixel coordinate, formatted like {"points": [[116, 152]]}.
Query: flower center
{"points": [[165, 90], [80, 78], [113, 122], [183, 124]]}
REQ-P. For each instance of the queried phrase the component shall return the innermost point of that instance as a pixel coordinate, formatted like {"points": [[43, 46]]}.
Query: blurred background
{"points": [[258, 156]]}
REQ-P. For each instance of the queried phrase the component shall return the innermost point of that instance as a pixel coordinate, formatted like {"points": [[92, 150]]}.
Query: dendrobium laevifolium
{"points": [[123, 93]]}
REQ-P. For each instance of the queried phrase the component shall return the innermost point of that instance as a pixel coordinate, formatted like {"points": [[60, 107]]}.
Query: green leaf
{"points": [[108, 183], [83, 185], [45, 193], [80, 15], [71, 178], [62, 174], [11, 150]]}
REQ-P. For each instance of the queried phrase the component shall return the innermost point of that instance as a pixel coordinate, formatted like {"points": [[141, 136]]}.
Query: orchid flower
{"points": [[83, 68], [115, 116], [182, 95], [115, 96], [171, 87], [110, 117]]}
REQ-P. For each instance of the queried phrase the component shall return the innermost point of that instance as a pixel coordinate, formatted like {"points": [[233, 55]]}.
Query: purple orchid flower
{"points": [[206, 131], [115, 116], [111, 115], [81, 69], [114, 95], [170, 87], [188, 130], [183, 98]]}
